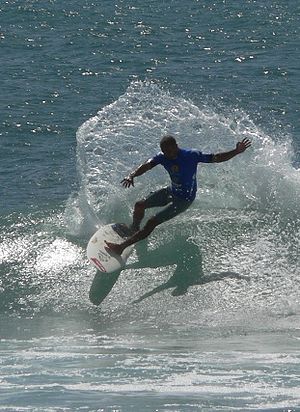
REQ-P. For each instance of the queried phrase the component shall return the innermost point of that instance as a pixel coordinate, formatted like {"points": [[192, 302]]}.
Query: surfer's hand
{"points": [[242, 146], [128, 181]]}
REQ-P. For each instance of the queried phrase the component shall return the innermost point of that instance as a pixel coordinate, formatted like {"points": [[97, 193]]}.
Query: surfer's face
{"points": [[170, 150]]}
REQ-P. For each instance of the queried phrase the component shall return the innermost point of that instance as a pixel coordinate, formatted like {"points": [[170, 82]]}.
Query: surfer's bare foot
{"points": [[114, 247]]}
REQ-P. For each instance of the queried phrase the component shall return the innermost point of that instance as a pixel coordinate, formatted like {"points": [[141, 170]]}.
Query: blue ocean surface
{"points": [[206, 315]]}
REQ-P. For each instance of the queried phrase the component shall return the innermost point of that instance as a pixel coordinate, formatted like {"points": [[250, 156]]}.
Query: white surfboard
{"points": [[102, 259]]}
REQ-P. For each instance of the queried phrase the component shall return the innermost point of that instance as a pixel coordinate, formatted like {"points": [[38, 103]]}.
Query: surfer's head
{"points": [[169, 147]]}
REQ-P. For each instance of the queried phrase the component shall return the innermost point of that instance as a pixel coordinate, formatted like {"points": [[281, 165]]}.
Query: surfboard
{"points": [[105, 260]]}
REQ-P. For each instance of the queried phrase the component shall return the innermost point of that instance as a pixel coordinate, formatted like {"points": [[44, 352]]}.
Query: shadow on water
{"points": [[188, 272]]}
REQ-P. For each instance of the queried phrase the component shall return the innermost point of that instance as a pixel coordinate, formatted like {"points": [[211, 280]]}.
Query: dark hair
{"points": [[166, 140]]}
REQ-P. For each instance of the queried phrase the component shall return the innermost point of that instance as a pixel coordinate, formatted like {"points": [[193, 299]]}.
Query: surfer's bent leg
{"points": [[158, 198], [143, 233], [177, 206], [138, 214]]}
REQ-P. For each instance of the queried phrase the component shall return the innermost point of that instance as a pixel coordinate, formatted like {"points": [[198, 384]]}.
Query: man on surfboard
{"points": [[181, 164]]}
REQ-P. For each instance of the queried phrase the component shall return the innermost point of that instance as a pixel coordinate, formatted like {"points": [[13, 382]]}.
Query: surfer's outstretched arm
{"points": [[143, 168], [240, 148]]}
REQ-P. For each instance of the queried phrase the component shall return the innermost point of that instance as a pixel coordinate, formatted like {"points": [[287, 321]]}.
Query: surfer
{"points": [[181, 164]]}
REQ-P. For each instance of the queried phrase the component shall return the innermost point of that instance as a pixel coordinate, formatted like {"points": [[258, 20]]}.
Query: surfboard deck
{"points": [[104, 260]]}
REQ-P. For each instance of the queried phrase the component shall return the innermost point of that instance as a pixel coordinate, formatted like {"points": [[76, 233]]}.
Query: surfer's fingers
{"points": [[127, 182], [246, 142]]}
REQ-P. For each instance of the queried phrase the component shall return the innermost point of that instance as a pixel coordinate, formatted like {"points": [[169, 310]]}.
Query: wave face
{"points": [[244, 225], [232, 254]]}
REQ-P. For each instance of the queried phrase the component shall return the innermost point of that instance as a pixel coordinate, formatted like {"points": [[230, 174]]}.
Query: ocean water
{"points": [[206, 316]]}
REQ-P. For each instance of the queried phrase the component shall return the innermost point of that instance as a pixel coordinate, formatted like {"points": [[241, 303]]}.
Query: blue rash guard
{"points": [[182, 171]]}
